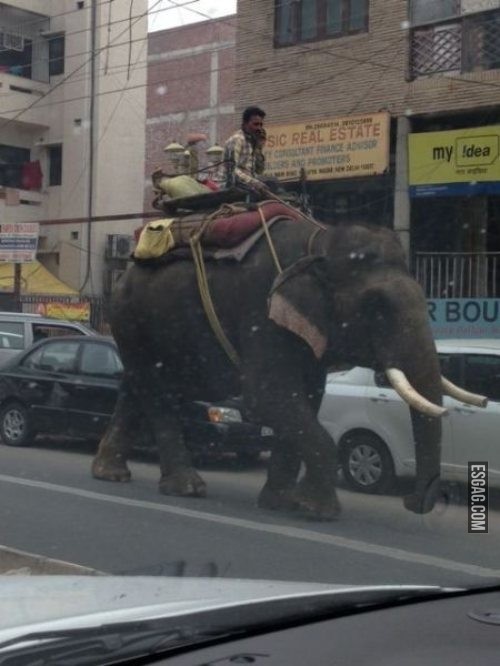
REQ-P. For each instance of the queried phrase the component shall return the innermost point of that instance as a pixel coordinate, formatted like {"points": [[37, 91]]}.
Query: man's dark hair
{"points": [[252, 111]]}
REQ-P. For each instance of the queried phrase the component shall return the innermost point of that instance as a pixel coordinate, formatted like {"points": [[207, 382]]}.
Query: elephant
{"points": [[340, 294]]}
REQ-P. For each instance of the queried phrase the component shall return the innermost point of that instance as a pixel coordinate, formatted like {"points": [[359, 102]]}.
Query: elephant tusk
{"points": [[464, 396], [405, 390]]}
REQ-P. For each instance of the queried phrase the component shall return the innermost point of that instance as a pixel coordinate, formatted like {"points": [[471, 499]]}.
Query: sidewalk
{"points": [[17, 562]]}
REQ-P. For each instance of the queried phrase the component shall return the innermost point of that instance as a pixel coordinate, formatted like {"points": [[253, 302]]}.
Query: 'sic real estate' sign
{"points": [[332, 148]]}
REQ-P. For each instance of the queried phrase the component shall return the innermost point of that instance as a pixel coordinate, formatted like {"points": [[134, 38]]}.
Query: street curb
{"points": [[19, 563]]}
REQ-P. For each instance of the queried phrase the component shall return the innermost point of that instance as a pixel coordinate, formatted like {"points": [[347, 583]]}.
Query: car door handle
{"points": [[380, 398], [464, 410]]}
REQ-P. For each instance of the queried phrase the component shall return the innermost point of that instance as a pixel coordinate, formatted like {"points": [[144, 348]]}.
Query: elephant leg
{"points": [[315, 495], [301, 438], [293, 415], [178, 476], [110, 462], [282, 472]]}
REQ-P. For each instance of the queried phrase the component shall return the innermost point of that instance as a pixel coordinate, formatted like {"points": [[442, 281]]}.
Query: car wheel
{"points": [[367, 463], [15, 426]]}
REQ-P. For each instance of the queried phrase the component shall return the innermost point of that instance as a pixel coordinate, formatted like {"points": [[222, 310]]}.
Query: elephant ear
{"points": [[297, 303]]}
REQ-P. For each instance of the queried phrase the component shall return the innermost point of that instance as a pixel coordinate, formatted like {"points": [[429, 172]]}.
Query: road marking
{"points": [[269, 528]]}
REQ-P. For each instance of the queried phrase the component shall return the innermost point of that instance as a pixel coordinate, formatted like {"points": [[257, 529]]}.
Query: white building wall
{"points": [[63, 116]]}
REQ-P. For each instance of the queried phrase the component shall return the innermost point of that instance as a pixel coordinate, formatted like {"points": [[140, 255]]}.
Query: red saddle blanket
{"points": [[230, 231]]}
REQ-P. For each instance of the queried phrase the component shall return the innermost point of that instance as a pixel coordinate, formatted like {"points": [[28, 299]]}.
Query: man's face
{"points": [[254, 126]]}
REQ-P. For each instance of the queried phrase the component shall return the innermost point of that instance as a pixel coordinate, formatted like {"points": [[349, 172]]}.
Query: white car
{"points": [[372, 427]]}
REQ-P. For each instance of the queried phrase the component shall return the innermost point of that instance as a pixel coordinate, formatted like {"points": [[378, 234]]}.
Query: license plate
{"points": [[267, 432]]}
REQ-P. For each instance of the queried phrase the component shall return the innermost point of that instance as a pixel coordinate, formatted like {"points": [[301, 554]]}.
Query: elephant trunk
{"points": [[407, 353], [425, 378]]}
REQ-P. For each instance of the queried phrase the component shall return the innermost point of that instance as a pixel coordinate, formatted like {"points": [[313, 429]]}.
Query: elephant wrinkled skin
{"points": [[350, 300]]}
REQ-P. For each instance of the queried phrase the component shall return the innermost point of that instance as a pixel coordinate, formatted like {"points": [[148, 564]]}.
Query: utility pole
{"points": [[17, 287]]}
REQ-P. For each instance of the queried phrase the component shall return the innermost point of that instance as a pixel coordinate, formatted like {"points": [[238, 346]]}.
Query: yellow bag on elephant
{"points": [[181, 186], [155, 240]]}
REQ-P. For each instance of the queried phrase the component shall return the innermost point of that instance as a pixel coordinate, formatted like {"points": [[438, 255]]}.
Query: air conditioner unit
{"points": [[11, 41], [120, 246]]}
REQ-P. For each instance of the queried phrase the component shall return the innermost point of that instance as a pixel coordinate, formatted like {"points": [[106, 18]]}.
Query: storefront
{"points": [[341, 163], [454, 182]]}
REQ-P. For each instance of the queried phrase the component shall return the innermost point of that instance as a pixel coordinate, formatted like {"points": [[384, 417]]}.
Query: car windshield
{"points": [[249, 297]]}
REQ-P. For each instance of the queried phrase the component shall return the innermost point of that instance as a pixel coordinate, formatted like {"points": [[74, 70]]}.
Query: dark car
{"points": [[69, 386]]}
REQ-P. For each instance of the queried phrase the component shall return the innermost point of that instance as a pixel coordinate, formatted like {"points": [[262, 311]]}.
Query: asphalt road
{"points": [[50, 505]]}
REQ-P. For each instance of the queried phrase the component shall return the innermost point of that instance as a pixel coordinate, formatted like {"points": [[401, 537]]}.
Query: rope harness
{"points": [[204, 289], [201, 273]]}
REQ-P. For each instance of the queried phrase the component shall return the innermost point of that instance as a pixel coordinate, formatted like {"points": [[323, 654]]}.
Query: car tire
{"points": [[15, 425], [366, 463]]}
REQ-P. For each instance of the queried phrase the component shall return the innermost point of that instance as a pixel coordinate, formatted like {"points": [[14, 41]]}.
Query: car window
{"points": [[381, 380], [100, 360], [54, 357], [449, 368], [482, 375], [11, 335], [43, 331]]}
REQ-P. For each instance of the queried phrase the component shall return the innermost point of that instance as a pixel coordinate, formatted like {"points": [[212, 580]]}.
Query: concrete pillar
{"points": [[401, 190]]}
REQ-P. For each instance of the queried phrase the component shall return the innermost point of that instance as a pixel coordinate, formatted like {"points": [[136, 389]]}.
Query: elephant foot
{"points": [[423, 501], [276, 500], [106, 470], [184, 482], [316, 505]]}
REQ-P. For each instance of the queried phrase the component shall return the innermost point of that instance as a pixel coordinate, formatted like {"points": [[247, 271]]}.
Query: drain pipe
{"points": [[91, 163]]}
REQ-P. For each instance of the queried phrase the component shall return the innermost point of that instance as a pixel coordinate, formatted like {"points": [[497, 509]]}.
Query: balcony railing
{"points": [[459, 275], [465, 44]]}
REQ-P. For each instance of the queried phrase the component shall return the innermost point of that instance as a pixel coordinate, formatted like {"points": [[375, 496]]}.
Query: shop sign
{"points": [[465, 317], [344, 147], [456, 163], [71, 311], [18, 242]]}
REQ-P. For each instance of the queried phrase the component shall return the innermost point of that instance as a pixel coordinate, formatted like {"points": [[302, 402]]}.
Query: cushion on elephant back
{"points": [[230, 231]]}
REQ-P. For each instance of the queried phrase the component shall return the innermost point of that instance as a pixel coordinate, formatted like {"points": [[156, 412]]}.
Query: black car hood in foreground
{"points": [[133, 614]]}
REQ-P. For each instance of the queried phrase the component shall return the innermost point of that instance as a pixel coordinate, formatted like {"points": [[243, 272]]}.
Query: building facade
{"points": [[191, 73], [72, 117], [432, 69]]}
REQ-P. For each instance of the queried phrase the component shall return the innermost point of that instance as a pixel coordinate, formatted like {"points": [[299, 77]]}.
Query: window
{"points": [[54, 357], [101, 360], [11, 335], [56, 55], [466, 44], [426, 11], [16, 61], [12, 161], [306, 20], [482, 375], [450, 368], [42, 331], [55, 165], [381, 380]]}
